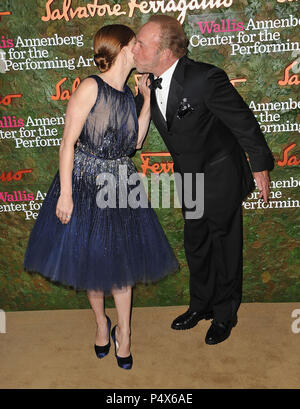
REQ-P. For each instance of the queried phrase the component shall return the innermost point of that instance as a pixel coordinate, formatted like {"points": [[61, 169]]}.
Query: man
{"points": [[207, 128]]}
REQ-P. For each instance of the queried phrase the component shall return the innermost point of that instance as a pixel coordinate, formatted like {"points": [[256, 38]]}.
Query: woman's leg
{"points": [[96, 299], [123, 305]]}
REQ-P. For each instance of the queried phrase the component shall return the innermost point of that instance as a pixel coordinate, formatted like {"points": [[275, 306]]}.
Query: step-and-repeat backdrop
{"points": [[46, 50]]}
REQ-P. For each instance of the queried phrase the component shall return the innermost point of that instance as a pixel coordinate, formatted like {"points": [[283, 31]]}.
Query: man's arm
{"points": [[227, 104]]}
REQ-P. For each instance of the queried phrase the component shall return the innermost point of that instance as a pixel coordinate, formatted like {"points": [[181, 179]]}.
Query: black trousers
{"points": [[214, 242], [214, 256]]}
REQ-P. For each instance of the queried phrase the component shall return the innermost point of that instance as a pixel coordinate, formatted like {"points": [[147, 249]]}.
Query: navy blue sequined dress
{"points": [[100, 248]]}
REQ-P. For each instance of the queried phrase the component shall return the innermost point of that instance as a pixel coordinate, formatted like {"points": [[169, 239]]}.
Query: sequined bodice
{"points": [[110, 130]]}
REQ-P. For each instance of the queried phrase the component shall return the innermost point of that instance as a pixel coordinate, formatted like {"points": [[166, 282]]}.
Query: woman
{"points": [[79, 242]]}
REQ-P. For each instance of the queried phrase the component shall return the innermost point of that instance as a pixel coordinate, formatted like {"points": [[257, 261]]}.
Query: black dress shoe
{"points": [[189, 319], [219, 331]]}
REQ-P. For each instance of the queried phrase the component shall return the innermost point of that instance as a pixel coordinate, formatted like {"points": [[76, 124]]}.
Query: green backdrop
{"points": [[265, 74]]}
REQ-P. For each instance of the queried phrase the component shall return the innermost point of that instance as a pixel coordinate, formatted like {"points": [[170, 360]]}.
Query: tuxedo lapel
{"points": [[175, 91], [174, 98]]}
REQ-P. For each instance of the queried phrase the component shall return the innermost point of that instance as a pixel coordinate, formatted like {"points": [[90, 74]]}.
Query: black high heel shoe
{"points": [[102, 351], [123, 362]]}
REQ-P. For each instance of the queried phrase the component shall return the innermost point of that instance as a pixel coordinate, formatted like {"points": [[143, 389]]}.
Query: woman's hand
{"points": [[64, 208], [143, 85], [144, 117]]}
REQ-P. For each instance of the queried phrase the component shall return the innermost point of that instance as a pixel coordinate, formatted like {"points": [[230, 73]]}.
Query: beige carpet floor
{"points": [[54, 349]]}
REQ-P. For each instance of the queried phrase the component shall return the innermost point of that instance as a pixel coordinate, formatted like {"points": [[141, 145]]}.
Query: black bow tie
{"points": [[155, 83]]}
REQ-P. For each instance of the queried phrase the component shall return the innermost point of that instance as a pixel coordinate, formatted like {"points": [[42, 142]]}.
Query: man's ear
{"points": [[167, 53]]}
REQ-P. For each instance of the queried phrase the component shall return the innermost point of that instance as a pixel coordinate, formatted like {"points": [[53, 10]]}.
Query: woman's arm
{"points": [[144, 117], [78, 109]]}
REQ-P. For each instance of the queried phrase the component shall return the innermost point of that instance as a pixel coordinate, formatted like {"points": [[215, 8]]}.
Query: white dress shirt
{"points": [[162, 94]]}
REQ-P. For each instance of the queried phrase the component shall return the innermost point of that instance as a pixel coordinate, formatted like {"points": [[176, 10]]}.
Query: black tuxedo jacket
{"points": [[215, 123]]}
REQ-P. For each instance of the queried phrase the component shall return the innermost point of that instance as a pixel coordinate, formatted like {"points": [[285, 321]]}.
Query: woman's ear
{"points": [[124, 52]]}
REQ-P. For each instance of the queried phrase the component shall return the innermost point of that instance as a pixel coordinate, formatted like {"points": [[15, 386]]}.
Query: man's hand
{"points": [[263, 184]]}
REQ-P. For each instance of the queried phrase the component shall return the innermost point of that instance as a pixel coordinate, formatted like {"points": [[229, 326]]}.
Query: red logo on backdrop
{"points": [[288, 78], [8, 99], [4, 13], [9, 176], [235, 81], [156, 167], [287, 158], [65, 94]]}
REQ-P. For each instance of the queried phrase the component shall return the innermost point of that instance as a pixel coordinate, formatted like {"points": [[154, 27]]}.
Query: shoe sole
{"points": [[205, 317]]}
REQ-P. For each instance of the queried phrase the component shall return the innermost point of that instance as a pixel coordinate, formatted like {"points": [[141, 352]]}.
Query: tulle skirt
{"points": [[99, 249]]}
